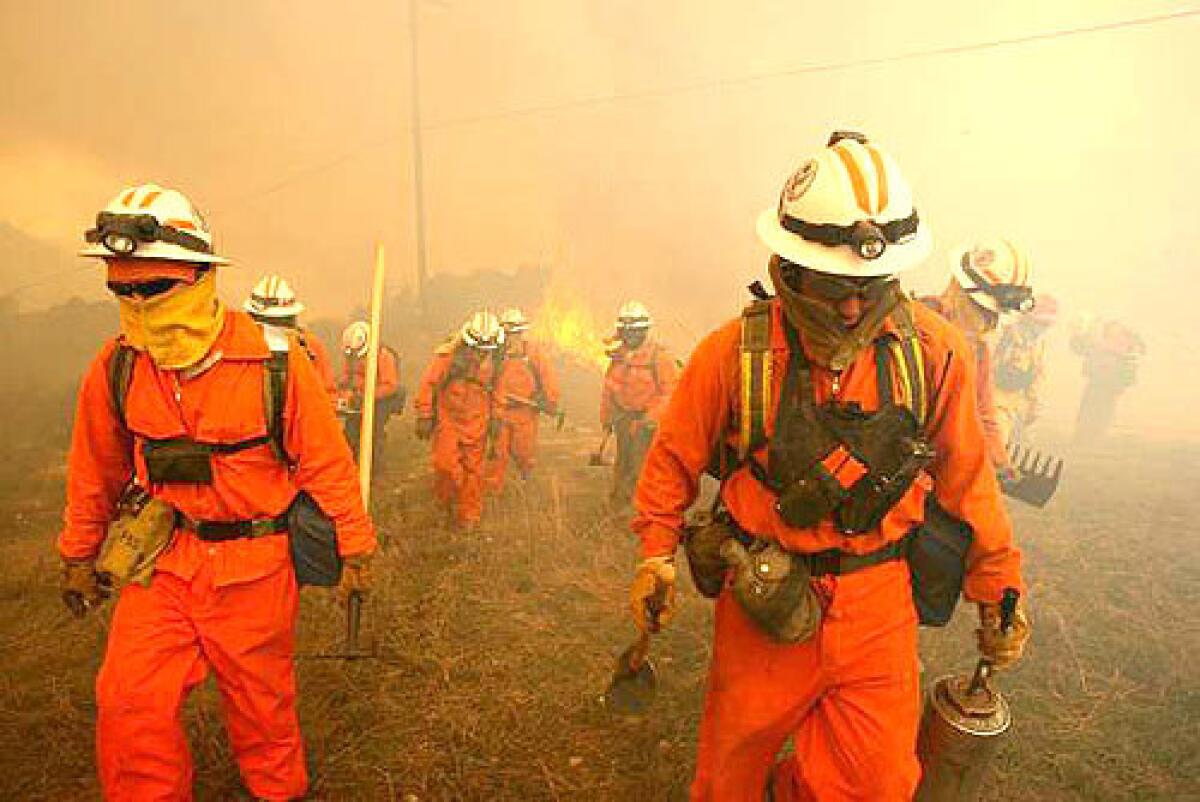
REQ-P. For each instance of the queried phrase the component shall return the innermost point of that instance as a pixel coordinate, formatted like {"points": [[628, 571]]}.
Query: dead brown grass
{"points": [[495, 648]]}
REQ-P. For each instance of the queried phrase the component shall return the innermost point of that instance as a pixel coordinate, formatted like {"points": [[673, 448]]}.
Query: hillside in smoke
{"points": [[36, 274]]}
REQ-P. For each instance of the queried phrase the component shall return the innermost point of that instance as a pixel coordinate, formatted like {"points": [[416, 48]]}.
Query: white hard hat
{"points": [[849, 212], [356, 337], [483, 331], [273, 297], [996, 273], [149, 222], [514, 320], [633, 315]]}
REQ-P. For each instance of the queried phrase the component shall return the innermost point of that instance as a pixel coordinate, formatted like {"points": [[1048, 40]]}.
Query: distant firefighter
{"points": [[527, 386], [197, 435], [389, 393], [989, 279], [640, 379], [1020, 368], [454, 409], [1111, 354], [273, 303]]}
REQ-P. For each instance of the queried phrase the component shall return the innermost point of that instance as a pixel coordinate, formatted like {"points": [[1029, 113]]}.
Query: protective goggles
{"points": [[121, 233], [835, 289], [867, 238], [143, 289], [1009, 297]]}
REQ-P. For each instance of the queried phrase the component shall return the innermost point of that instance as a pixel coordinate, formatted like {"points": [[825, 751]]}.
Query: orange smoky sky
{"points": [[628, 145]]}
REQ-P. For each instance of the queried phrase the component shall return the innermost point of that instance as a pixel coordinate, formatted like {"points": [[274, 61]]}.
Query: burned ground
{"points": [[494, 648]]}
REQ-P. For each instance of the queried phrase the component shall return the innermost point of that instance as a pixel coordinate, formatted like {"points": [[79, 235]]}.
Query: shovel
{"points": [[634, 681], [351, 649], [596, 460], [1037, 479]]}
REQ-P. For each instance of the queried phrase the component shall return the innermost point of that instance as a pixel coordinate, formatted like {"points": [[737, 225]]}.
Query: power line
{"points": [[949, 50]]}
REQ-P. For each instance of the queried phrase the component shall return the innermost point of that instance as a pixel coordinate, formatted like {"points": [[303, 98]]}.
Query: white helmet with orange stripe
{"points": [[483, 331], [633, 315], [849, 212], [272, 297], [514, 320], [355, 338], [995, 273], [150, 222]]}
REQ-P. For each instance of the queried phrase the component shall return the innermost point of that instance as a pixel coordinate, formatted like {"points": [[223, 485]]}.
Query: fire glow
{"points": [[565, 323]]}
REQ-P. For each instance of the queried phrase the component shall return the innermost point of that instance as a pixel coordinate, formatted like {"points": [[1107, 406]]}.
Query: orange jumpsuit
{"points": [[389, 398], [994, 431], [227, 607], [849, 696], [525, 376], [637, 386], [456, 392]]}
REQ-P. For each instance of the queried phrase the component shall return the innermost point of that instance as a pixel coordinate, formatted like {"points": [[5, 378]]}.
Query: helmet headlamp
{"points": [[121, 233], [1009, 297], [867, 238]]}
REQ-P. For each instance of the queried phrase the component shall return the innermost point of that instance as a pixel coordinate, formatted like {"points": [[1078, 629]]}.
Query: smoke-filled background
{"points": [[625, 146], [574, 154]]}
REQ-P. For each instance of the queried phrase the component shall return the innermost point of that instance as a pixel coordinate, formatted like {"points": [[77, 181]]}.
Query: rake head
{"points": [[1038, 476]]}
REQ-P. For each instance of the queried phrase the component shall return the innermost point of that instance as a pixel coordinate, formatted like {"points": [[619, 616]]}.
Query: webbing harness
{"points": [[275, 373]]}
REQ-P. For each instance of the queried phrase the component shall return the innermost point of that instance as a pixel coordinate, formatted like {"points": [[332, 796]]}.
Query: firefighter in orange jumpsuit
{"points": [[223, 595], [273, 303], [454, 409], [989, 279], [639, 381], [526, 388], [389, 393], [848, 695], [1111, 354]]}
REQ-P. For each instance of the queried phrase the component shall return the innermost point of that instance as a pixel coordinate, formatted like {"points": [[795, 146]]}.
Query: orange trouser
{"points": [[458, 473], [517, 439], [849, 698], [162, 642]]}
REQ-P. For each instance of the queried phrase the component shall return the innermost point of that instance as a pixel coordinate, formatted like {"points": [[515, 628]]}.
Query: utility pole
{"points": [[418, 187]]}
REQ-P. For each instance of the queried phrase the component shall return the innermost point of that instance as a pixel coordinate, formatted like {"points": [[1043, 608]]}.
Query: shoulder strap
{"points": [[905, 352], [120, 375], [275, 379], [755, 396]]}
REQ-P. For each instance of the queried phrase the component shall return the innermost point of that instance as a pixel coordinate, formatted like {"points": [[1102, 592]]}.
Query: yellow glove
{"points": [[356, 576], [1003, 649], [82, 588], [652, 594]]}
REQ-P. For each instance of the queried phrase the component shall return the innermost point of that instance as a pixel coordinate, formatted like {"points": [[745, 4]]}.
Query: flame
{"points": [[564, 322]]}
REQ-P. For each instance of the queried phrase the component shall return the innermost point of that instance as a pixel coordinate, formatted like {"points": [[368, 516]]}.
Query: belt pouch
{"points": [[178, 462]]}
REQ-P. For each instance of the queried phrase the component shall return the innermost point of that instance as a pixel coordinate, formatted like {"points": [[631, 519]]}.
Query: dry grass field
{"points": [[493, 649]]}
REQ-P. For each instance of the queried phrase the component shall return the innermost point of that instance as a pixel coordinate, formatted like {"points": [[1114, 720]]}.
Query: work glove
{"points": [[356, 576], [1003, 649], [82, 587], [652, 594], [424, 428]]}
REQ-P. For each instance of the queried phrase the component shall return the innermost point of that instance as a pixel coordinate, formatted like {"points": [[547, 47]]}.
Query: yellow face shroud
{"points": [[177, 328]]}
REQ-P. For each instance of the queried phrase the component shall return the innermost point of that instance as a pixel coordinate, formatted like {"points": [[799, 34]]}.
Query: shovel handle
{"points": [[354, 604]]}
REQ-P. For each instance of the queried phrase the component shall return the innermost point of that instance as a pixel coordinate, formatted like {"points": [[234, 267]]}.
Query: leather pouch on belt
{"points": [[704, 535], [814, 497], [773, 587], [178, 462], [141, 533]]}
